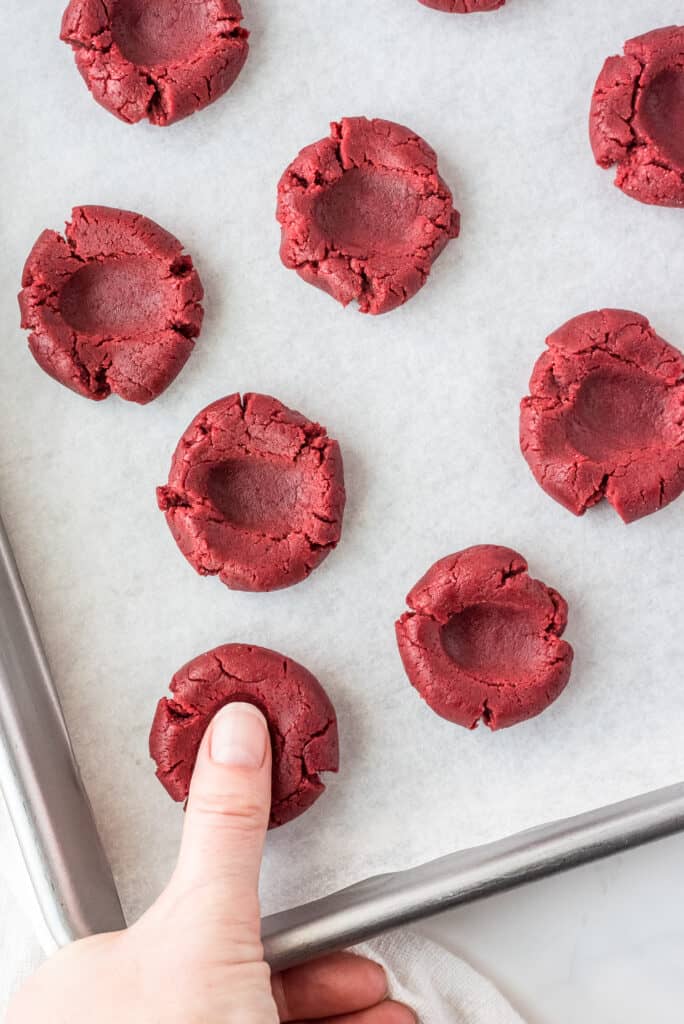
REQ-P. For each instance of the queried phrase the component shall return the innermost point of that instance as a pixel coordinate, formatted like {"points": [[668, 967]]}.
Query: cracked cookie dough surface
{"points": [[364, 213], [463, 6], [300, 716], [255, 493], [113, 305], [156, 59], [481, 642], [637, 117], [605, 415]]}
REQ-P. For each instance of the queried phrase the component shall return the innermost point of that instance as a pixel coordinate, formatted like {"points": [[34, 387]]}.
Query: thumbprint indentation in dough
{"points": [[255, 494], [369, 211], [616, 412], [662, 113], [116, 295], [153, 32], [493, 642]]}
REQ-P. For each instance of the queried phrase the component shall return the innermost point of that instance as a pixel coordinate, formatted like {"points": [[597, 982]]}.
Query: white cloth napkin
{"points": [[440, 987]]}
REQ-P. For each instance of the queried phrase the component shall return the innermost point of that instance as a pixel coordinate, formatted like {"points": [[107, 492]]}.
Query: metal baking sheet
{"points": [[423, 401]]}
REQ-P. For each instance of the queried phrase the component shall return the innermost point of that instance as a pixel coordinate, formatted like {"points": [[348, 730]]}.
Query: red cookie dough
{"points": [[156, 59], [113, 305], [482, 640], [364, 213], [637, 117], [464, 6], [301, 720], [605, 415], [255, 493]]}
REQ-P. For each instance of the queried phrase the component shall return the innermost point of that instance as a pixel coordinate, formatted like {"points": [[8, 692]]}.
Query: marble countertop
{"points": [[603, 943]]}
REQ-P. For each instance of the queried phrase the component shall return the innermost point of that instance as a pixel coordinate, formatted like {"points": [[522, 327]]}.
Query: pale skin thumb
{"points": [[225, 824]]}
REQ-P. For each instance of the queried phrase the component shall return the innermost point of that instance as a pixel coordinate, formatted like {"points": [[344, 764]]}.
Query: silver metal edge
{"points": [[40, 781], [391, 901]]}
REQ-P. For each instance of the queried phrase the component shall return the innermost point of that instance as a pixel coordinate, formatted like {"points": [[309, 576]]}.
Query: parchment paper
{"points": [[423, 401]]}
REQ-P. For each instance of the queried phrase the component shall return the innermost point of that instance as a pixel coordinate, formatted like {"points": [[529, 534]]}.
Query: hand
{"points": [[196, 957]]}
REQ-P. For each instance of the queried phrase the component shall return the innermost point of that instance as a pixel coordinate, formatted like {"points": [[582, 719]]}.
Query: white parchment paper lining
{"points": [[423, 401]]}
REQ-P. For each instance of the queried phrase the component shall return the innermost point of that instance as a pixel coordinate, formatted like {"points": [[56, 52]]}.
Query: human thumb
{"points": [[225, 825]]}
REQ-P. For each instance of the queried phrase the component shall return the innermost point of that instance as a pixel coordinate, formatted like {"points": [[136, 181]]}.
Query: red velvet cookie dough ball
{"points": [[464, 6], [301, 721], [255, 493], [482, 639], [605, 415], [113, 305], [156, 59], [637, 117], [364, 214]]}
